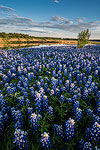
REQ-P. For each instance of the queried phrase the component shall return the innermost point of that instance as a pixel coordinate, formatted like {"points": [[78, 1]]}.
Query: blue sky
{"points": [[54, 18]]}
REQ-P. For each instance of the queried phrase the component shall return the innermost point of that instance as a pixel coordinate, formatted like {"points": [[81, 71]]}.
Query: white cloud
{"points": [[5, 9], [56, 22], [56, 1], [38, 30], [55, 25], [79, 20], [61, 20], [15, 20]]}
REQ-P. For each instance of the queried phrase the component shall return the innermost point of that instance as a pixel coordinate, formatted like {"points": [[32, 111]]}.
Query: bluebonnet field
{"points": [[50, 98]]}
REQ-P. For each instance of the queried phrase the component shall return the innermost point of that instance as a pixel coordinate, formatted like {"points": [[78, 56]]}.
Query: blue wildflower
{"points": [[45, 140], [78, 114], [34, 120], [45, 102], [87, 146], [50, 110], [95, 132], [58, 129], [69, 129], [20, 139]]}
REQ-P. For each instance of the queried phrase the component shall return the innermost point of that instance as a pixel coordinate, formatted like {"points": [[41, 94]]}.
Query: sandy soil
{"points": [[1, 40]]}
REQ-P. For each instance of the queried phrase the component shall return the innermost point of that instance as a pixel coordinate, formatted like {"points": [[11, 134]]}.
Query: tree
{"points": [[83, 38]]}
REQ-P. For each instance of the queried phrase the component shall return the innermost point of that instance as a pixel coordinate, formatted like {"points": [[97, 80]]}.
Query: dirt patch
{"points": [[16, 39], [1, 40]]}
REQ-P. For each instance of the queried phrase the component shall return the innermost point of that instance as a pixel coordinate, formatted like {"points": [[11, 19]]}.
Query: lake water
{"points": [[9, 46]]}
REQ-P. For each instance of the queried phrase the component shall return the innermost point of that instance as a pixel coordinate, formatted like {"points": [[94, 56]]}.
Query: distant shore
{"points": [[14, 40]]}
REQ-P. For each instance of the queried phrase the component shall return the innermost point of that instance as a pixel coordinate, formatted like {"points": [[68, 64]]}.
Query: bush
{"points": [[83, 38]]}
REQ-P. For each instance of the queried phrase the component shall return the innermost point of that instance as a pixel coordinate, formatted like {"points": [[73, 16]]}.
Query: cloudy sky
{"points": [[53, 18]]}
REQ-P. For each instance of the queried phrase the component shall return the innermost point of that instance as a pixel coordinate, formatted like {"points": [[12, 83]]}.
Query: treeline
{"points": [[7, 36], [94, 40], [14, 35], [71, 39], [26, 36]]}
